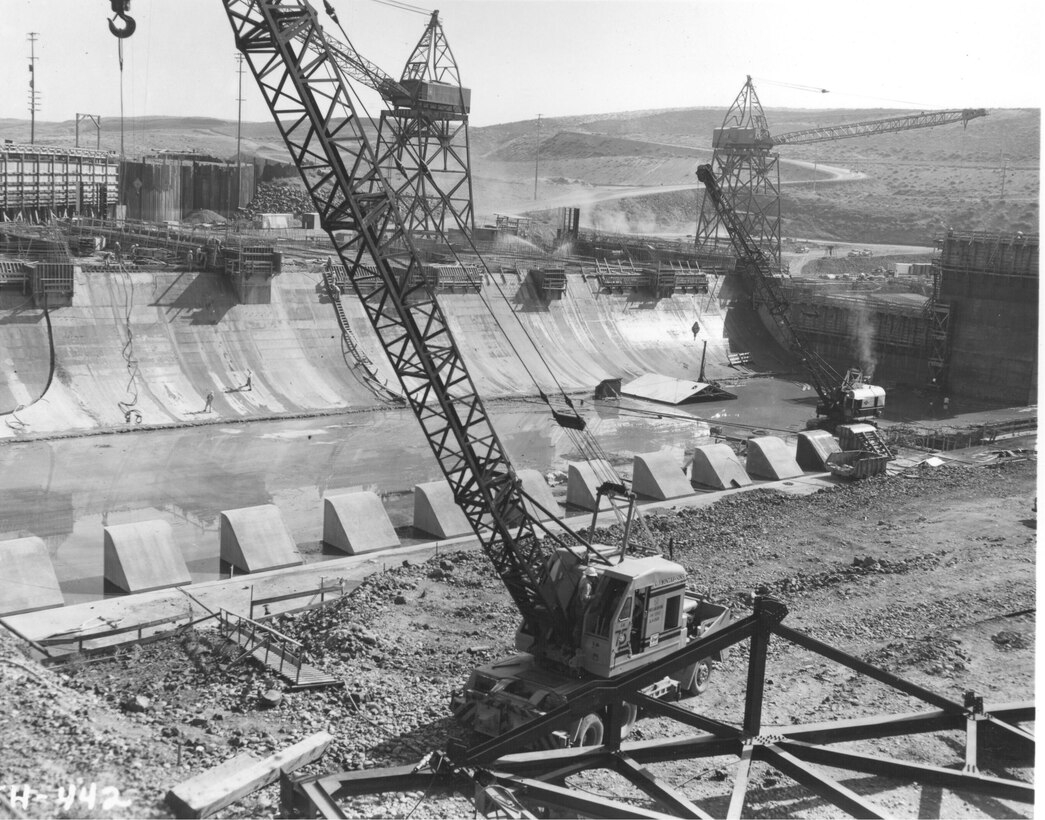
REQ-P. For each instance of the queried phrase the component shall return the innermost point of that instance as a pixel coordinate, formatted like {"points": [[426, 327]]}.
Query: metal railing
{"points": [[277, 651]]}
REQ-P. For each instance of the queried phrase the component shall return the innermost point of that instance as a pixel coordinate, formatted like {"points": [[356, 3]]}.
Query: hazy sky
{"points": [[524, 57]]}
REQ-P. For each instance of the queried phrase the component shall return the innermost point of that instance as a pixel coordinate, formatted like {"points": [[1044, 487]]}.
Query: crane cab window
{"points": [[603, 611]]}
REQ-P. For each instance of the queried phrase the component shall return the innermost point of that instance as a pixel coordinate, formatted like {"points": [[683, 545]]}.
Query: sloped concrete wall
{"points": [[189, 337]]}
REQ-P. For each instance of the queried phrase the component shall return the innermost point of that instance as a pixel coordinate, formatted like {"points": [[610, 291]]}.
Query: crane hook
{"points": [[120, 9]]}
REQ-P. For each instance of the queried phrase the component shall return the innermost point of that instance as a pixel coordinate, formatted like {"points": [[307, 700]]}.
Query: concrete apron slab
{"points": [[235, 594]]}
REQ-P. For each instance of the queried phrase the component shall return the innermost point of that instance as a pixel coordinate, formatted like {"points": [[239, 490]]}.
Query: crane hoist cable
{"points": [[569, 419]]}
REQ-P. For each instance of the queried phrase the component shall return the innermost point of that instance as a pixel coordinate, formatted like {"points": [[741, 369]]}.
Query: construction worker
{"points": [[946, 404], [248, 386], [585, 593], [695, 329], [210, 400]]}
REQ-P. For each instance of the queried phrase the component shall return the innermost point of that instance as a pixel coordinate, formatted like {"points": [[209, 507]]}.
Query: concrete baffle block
{"points": [[717, 466], [659, 476], [29, 580], [143, 556], [770, 457], [254, 539], [436, 512], [814, 446], [582, 483], [534, 484], [356, 523]]}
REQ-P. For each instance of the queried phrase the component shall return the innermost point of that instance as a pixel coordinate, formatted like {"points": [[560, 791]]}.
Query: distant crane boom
{"points": [[885, 126]]}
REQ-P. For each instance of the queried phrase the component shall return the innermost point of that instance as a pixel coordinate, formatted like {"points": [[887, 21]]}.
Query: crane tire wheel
{"points": [[631, 715], [589, 731], [700, 681]]}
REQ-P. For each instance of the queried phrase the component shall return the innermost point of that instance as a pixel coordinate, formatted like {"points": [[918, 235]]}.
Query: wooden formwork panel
{"points": [[55, 179]]}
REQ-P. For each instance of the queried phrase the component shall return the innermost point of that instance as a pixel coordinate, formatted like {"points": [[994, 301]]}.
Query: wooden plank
{"points": [[209, 791]]}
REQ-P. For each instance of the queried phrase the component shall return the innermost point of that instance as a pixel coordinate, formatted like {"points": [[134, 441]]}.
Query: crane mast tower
{"points": [[748, 171]]}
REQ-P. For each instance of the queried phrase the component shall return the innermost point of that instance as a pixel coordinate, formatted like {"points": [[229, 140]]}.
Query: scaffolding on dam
{"points": [[39, 182]]}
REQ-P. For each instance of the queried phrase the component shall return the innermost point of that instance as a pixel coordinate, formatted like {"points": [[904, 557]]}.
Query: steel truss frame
{"points": [[750, 175], [424, 147], [311, 103], [515, 784]]}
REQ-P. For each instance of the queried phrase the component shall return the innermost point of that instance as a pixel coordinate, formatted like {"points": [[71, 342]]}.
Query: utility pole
{"points": [[34, 97], [239, 129], [537, 161]]}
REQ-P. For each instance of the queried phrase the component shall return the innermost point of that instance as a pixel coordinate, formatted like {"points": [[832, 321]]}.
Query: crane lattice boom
{"points": [[302, 83], [767, 287], [885, 126]]}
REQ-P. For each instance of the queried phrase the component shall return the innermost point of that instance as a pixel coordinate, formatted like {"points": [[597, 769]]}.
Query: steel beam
{"points": [[905, 770], [534, 764], [756, 675], [827, 788], [562, 799], [687, 716], [740, 781], [676, 802], [854, 663]]}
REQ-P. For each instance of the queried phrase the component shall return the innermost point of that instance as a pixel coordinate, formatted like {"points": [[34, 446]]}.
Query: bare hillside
{"points": [[906, 187]]}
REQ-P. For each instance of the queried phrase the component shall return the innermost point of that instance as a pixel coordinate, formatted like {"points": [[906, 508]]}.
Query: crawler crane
{"points": [[842, 400], [589, 611]]}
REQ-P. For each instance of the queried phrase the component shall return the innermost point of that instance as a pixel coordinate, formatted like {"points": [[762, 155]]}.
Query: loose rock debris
{"points": [[880, 569]]}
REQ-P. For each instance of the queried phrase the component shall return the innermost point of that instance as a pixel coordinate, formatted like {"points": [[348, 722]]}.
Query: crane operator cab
{"points": [[624, 614], [860, 401]]}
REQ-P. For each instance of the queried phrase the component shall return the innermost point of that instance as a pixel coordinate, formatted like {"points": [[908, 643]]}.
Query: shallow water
{"points": [[66, 491]]}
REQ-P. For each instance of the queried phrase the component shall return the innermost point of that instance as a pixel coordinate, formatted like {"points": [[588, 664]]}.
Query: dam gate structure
{"points": [[987, 285]]}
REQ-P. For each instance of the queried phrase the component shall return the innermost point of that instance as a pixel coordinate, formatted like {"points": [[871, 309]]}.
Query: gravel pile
{"points": [[278, 198]]}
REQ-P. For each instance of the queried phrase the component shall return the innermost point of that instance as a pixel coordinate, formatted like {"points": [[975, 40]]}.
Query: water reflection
{"points": [[66, 491]]}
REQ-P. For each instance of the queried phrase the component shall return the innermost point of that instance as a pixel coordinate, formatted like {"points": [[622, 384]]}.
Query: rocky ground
{"points": [[929, 574]]}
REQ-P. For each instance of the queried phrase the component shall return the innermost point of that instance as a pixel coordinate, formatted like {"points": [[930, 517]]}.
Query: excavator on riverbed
{"points": [[845, 399]]}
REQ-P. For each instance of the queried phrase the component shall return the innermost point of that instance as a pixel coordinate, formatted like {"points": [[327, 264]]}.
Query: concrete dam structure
{"points": [[150, 347]]}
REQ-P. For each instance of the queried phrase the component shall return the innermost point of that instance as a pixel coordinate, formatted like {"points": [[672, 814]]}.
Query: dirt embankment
{"points": [[880, 568]]}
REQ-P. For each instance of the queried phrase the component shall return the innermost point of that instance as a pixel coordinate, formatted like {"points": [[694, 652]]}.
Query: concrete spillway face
{"points": [[659, 476], [356, 523], [533, 484], [717, 466], [770, 457], [436, 512], [29, 579], [583, 481], [254, 539], [143, 556], [814, 446]]}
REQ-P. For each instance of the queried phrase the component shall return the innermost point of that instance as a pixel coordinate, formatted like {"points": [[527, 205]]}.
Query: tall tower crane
{"points": [[748, 172], [422, 144], [425, 138]]}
